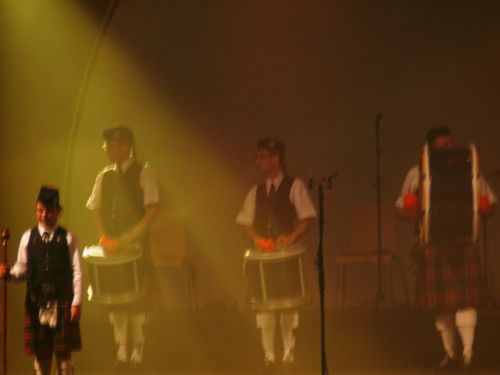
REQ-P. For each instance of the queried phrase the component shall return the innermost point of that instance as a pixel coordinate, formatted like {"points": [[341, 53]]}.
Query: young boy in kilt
{"points": [[49, 261], [448, 280]]}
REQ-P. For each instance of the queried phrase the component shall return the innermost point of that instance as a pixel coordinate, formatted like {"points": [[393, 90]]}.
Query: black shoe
{"points": [[269, 367], [447, 364]]}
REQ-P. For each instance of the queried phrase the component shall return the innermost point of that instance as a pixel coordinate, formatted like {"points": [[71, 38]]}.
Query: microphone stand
{"points": [[379, 298], [5, 237], [320, 264]]}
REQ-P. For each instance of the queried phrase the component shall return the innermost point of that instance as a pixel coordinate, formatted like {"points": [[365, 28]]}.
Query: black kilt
{"points": [[43, 340], [449, 278]]}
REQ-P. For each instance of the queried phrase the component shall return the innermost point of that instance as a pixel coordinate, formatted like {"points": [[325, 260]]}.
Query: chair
{"points": [[168, 246], [363, 247]]}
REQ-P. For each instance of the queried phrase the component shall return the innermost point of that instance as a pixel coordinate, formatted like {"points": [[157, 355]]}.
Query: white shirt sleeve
{"points": [[410, 185], [149, 185], [18, 271], [247, 212], [94, 201], [301, 200], [76, 265], [485, 190]]}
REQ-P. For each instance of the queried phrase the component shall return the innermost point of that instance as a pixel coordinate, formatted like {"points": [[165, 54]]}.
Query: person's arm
{"points": [[140, 228], [407, 204], [246, 216], [96, 215], [252, 234], [18, 271], [76, 304], [487, 198], [300, 229], [150, 189], [94, 205], [306, 213]]}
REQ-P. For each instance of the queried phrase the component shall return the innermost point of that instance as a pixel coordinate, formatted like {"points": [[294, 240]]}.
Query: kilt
{"points": [[449, 278], [43, 340]]}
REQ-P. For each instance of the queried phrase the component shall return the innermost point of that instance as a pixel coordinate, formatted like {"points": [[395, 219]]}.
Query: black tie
{"points": [[45, 237]]}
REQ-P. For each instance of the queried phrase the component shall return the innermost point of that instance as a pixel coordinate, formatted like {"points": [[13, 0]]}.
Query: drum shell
{"points": [[275, 280], [115, 279], [449, 195]]}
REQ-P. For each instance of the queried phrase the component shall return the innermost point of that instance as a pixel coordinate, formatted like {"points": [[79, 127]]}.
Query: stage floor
{"points": [[334, 372], [221, 341]]}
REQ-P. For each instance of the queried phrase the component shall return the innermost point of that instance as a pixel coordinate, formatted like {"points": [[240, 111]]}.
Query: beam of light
{"points": [[44, 36]]}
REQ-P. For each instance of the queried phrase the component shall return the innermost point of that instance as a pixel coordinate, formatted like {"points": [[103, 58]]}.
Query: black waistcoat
{"points": [[274, 215], [49, 272], [122, 204]]}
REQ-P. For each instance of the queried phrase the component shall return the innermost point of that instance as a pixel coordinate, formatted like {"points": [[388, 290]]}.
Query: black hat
{"points": [[48, 196], [439, 131], [273, 145], [118, 132]]}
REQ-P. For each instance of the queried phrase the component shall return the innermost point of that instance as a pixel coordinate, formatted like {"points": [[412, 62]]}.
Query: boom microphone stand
{"points": [[326, 181], [380, 296]]}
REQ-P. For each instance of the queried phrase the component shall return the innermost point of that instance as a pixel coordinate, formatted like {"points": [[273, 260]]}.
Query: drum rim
{"points": [[280, 304], [119, 299], [118, 258], [253, 254]]}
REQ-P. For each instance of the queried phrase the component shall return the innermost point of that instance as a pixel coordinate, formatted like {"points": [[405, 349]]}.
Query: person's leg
{"points": [[266, 322], [42, 364], [137, 322], [44, 344], [445, 325], [289, 320], [119, 321], [466, 320], [64, 364]]}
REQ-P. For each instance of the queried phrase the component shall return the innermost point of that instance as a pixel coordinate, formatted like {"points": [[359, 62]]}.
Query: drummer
{"points": [[124, 202], [280, 209], [461, 287]]}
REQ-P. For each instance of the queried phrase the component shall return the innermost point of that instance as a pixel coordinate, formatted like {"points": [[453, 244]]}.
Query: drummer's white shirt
{"points": [[412, 181], [18, 271], [147, 182], [299, 198]]}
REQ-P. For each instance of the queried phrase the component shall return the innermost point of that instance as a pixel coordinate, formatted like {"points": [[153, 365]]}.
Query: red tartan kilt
{"points": [[44, 341], [450, 278]]}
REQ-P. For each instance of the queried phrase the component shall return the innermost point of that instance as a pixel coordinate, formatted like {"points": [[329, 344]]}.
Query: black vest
{"points": [[122, 203], [49, 272], [274, 215]]}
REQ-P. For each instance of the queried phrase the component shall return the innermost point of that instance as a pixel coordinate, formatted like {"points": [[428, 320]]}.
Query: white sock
{"points": [[445, 324], [289, 320], [266, 321], [120, 323], [42, 367], [466, 320]]}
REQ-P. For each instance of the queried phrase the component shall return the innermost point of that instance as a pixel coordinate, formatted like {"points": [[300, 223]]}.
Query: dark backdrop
{"points": [[200, 81]]}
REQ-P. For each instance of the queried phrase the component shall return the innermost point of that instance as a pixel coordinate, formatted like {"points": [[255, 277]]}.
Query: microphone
{"points": [[322, 181]]}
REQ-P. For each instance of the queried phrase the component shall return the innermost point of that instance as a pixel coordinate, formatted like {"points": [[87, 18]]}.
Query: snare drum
{"points": [[275, 280], [114, 279], [449, 189]]}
